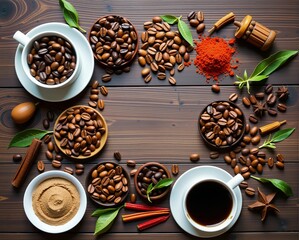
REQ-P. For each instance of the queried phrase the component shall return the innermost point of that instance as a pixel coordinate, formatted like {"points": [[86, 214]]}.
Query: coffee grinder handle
{"points": [[21, 38], [235, 181]]}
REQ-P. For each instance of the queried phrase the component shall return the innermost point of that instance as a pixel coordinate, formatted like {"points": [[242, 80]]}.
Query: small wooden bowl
{"points": [[96, 28], [148, 165], [70, 113], [89, 179], [222, 147]]}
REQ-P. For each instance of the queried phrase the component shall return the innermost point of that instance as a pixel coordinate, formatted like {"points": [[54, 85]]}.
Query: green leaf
{"points": [[282, 134], [170, 19], [148, 191], [24, 138], [70, 14], [164, 183], [101, 211], [245, 74], [270, 64], [257, 78], [279, 184], [105, 221], [185, 32]]}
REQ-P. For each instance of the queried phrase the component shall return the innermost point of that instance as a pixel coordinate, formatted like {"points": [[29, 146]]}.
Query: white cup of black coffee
{"points": [[210, 205]]}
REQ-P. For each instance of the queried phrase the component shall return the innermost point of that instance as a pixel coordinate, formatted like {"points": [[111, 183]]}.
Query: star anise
{"points": [[259, 108], [264, 204], [282, 93]]}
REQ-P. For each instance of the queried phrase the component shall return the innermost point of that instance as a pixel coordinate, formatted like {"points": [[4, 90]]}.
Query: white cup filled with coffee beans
{"points": [[210, 204], [49, 59]]}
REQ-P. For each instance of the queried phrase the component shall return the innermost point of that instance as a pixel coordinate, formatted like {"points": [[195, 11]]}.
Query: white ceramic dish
{"points": [[84, 53], [183, 183], [27, 202]]}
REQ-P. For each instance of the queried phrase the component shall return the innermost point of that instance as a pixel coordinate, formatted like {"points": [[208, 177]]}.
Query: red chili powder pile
{"points": [[214, 57]]}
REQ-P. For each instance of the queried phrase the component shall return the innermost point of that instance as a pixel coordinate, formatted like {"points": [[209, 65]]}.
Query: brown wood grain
{"points": [[155, 121]]}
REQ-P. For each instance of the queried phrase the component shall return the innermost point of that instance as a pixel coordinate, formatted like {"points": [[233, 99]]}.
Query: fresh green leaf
{"points": [[24, 138], [161, 184], [185, 32], [245, 74], [257, 78], [170, 19], [270, 64], [101, 211], [70, 15], [277, 137], [280, 184], [105, 221], [282, 134]]}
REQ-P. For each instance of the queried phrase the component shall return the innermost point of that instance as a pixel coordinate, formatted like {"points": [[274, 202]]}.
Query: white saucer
{"points": [[183, 183], [85, 54]]}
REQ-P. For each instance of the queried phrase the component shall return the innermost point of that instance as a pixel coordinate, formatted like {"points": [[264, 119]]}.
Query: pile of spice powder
{"points": [[214, 57]]}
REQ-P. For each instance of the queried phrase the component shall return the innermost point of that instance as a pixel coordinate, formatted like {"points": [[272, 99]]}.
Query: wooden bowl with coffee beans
{"points": [[221, 124], [107, 184], [151, 173], [80, 132], [114, 41]]}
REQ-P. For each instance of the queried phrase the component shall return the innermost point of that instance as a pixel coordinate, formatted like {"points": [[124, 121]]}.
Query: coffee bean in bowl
{"points": [[107, 184], [80, 132], [221, 124], [114, 41], [151, 172]]}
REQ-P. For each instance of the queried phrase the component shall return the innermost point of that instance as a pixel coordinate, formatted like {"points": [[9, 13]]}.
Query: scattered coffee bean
{"points": [[233, 97], [214, 154], [200, 28], [256, 140], [56, 163], [246, 101], [243, 184], [268, 89], [40, 166], [260, 95], [132, 172], [104, 90], [131, 163], [272, 112], [79, 169], [69, 170], [191, 15], [50, 146], [279, 165], [280, 157], [49, 155], [246, 175], [227, 159], [254, 130], [194, 157], [95, 84], [52, 60], [281, 107], [252, 99], [17, 157], [172, 80], [215, 88], [253, 119], [250, 191], [106, 77], [117, 155], [174, 169], [133, 198], [101, 104], [271, 99], [46, 124], [259, 168], [270, 162], [50, 115], [47, 139]]}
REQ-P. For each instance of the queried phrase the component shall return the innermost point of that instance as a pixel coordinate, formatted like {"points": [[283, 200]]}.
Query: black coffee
{"points": [[209, 203]]}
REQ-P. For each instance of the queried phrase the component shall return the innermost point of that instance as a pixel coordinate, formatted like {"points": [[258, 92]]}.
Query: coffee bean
{"points": [[131, 163], [253, 131], [272, 112], [281, 107], [233, 163], [145, 72], [246, 139], [56, 164], [260, 95], [101, 104], [17, 157], [268, 88], [253, 119], [46, 124], [271, 99], [250, 191], [214, 155], [227, 159], [256, 140], [132, 172], [68, 170], [233, 97], [49, 155], [215, 88], [246, 101], [270, 162], [279, 165], [246, 175], [191, 15], [200, 28], [117, 155], [106, 77], [259, 168], [172, 80], [133, 198], [280, 157], [194, 157], [252, 99], [174, 169], [236, 169], [243, 184], [50, 146], [194, 22], [161, 76], [40, 166], [50, 116], [245, 152]]}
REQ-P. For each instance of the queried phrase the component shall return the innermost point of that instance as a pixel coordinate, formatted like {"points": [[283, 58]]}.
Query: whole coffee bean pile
{"points": [[151, 174], [79, 131], [52, 60], [108, 183], [162, 49], [113, 40], [196, 20], [221, 123], [266, 102]]}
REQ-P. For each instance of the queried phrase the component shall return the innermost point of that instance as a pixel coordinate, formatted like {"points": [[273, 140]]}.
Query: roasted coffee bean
{"points": [[268, 89], [172, 80], [271, 99], [44, 68], [260, 95], [246, 175], [236, 169], [104, 90], [250, 191], [117, 155], [214, 155], [254, 151], [132, 172], [101, 104], [281, 107], [145, 72], [256, 140], [69, 170], [280, 157], [174, 169], [252, 99], [46, 124], [279, 165], [215, 88], [253, 119], [194, 22], [17, 157], [272, 112], [243, 184], [245, 152], [56, 163], [233, 97], [194, 157], [254, 130], [49, 155], [227, 159], [247, 139], [259, 168], [131, 163], [40, 166], [50, 116], [246, 101], [106, 77], [270, 162], [50, 146], [133, 198], [191, 15]]}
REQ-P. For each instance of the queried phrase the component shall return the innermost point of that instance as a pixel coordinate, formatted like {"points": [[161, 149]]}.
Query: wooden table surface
{"points": [[155, 121]]}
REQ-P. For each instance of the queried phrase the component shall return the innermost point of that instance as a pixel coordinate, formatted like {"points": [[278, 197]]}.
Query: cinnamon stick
{"points": [[26, 163]]}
